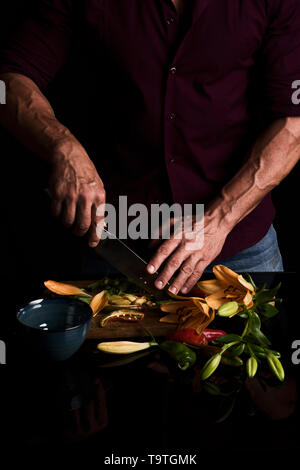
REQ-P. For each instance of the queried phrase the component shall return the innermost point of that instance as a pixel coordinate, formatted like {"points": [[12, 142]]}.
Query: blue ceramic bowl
{"points": [[55, 328]]}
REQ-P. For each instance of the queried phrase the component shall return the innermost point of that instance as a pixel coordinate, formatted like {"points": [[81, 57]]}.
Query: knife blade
{"points": [[129, 263]]}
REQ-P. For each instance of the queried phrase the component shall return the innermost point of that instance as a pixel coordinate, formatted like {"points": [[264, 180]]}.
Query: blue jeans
{"points": [[261, 257]]}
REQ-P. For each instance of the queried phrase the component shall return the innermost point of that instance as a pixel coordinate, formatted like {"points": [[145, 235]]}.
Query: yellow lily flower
{"points": [[227, 287]]}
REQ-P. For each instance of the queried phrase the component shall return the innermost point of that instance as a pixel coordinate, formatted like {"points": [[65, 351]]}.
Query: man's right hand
{"points": [[77, 191]]}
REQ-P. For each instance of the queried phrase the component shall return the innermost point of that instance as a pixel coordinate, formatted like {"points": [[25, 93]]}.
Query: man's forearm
{"points": [[29, 116], [272, 158], [76, 188]]}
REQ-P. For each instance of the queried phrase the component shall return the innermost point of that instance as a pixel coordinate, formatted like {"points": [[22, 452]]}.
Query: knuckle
{"points": [[69, 199], [197, 272], [174, 263], [68, 223], [71, 195], [99, 199], [187, 269], [57, 192], [195, 276], [163, 251], [85, 196], [83, 227]]}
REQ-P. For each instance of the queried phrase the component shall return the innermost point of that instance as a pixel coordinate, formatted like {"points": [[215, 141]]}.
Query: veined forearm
{"points": [[29, 116], [272, 158], [75, 186]]}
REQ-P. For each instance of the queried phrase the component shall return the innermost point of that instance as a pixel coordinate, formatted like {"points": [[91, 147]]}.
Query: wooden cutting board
{"points": [[130, 330], [123, 329]]}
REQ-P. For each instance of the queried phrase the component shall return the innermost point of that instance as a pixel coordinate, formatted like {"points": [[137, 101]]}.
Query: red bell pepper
{"points": [[190, 336], [212, 335]]}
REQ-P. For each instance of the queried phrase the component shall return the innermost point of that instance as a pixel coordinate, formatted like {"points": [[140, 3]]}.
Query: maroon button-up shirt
{"points": [[174, 102]]}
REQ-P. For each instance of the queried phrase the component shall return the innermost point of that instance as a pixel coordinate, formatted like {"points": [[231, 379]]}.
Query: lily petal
{"points": [[65, 289], [171, 318], [226, 276], [98, 302], [248, 300], [182, 297], [245, 283], [173, 306], [199, 322], [210, 286], [217, 299], [202, 306]]}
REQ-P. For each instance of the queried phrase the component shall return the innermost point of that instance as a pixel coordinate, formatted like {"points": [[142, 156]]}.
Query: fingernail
{"points": [[151, 268], [159, 284], [184, 290], [173, 290]]}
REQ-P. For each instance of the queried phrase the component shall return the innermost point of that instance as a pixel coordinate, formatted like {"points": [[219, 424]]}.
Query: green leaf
{"points": [[259, 351], [95, 285], [254, 323], [212, 389], [262, 288], [250, 279], [228, 411], [267, 310], [161, 302], [266, 295], [87, 300], [228, 339], [243, 314], [260, 337], [150, 334], [237, 349]]}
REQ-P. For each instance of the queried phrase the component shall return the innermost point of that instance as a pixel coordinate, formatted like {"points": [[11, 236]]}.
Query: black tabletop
{"points": [[148, 406]]}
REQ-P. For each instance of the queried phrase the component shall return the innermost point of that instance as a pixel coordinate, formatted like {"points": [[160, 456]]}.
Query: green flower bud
{"points": [[251, 367], [228, 309], [210, 366], [233, 361], [276, 366]]}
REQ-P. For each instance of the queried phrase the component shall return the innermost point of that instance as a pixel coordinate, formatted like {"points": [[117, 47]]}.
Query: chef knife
{"points": [[129, 263]]}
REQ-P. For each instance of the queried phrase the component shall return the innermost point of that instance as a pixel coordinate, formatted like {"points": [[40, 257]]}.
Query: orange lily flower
{"points": [[227, 287], [189, 313]]}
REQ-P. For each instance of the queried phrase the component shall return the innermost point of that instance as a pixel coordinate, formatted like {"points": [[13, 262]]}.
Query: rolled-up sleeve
{"points": [[40, 47], [280, 59]]}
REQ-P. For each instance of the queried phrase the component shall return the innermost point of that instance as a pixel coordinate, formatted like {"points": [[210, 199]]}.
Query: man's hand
{"points": [[261, 172], [75, 186], [77, 191], [188, 255]]}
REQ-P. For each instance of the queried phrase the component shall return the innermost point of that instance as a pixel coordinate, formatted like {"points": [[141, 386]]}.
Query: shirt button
{"points": [[171, 116], [170, 20], [173, 70]]}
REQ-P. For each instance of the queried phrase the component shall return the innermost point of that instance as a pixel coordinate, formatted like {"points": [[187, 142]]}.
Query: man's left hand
{"points": [[188, 253]]}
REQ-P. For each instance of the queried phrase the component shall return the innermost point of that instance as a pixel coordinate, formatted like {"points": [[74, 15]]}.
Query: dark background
{"points": [[36, 246]]}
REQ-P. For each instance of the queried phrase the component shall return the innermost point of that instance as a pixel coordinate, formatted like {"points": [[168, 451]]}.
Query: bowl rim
{"points": [[75, 301]]}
